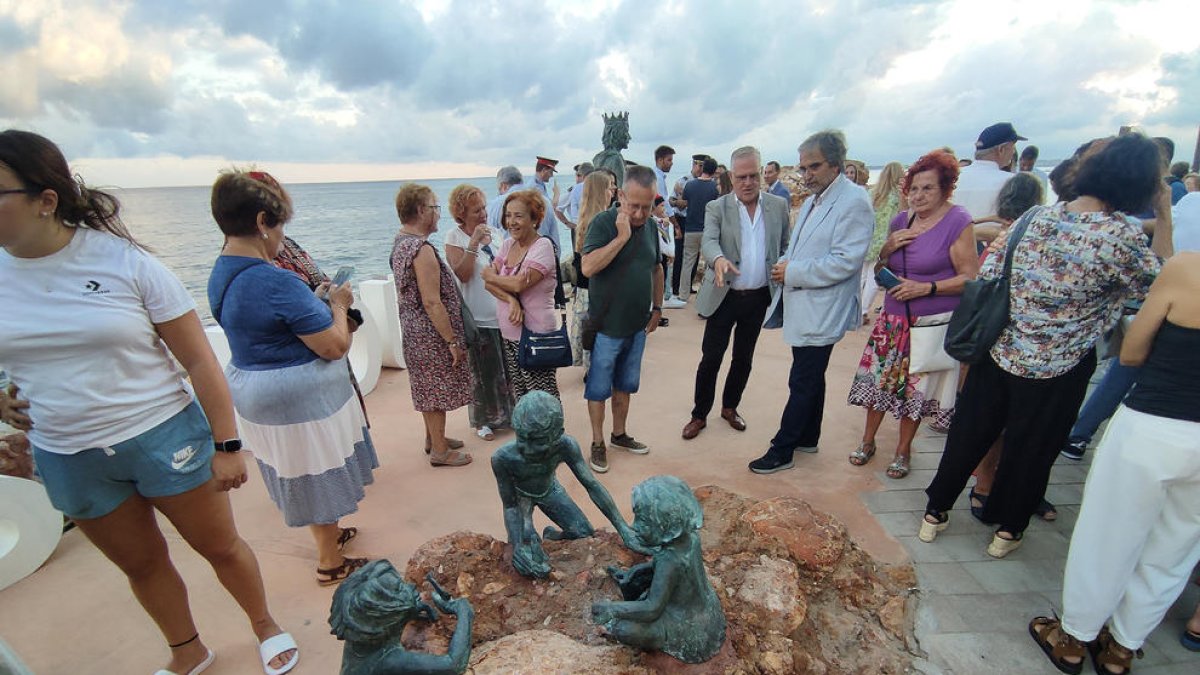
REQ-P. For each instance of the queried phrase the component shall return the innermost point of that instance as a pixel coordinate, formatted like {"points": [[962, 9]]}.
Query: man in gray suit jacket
{"points": [[745, 232], [818, 301]]}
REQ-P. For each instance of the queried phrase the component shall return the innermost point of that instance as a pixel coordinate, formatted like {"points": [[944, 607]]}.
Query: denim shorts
{"points": [[616, 364], [170, 459]]}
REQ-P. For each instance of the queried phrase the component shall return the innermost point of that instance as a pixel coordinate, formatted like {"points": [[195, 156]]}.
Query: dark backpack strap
{"points": [[216, 309], [560, 296]]}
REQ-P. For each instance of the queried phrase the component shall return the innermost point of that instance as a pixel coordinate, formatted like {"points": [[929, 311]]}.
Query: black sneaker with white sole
{"points": [[1074, 450]]}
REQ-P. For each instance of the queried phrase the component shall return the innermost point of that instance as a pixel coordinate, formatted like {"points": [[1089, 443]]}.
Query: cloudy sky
{"points": [[165, 93]]}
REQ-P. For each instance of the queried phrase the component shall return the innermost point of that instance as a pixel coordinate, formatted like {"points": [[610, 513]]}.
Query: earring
{"points": [[264, 235], [43, 214]]}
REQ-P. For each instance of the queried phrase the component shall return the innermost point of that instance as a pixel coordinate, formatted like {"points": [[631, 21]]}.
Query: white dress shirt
{"points": [[662, 191], [754, 250]]}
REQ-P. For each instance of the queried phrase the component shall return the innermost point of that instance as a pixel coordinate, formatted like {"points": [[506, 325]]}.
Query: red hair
{"points": [[939, 161], [532, 199]]}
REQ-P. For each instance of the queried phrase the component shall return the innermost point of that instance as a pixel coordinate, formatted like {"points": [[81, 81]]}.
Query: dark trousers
{"points": [[677, 266], [801, 423], [740, 313], [1035, 417]]}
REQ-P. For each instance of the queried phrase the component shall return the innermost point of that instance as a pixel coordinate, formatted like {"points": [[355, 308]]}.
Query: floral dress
{"points": [[437, 384]]}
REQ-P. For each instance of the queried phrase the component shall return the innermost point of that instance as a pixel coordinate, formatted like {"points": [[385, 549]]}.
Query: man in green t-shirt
{"points": [[620, 259]]}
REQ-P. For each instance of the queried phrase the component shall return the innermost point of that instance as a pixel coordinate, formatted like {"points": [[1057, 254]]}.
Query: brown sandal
{"points": [[451, 458], [1106, 651], [336, 575], [345, 536], [1058, 644], [452, 443]]}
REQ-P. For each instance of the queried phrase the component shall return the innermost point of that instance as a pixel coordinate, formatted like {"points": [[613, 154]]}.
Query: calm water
{"points": [[337, 223]]}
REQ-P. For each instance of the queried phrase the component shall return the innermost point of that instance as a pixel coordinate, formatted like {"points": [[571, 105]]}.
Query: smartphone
{"points": [[886, 279], [342, 276]]}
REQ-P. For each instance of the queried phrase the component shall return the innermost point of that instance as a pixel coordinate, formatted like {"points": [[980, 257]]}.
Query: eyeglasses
{"points": [[17, 191], [436, 207]]}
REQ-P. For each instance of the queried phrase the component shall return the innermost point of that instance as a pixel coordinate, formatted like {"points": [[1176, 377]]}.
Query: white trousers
{"points": [[1138, 535], [867, 286]]}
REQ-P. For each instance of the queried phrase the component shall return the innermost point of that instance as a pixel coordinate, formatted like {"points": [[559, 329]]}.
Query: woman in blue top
{"points": [[295, 406]]}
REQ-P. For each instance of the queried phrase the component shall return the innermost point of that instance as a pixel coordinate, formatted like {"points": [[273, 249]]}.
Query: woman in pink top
{"points": [[522, 278]]}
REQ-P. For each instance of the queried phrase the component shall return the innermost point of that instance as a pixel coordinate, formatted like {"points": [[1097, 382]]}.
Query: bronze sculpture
{"points": [[369, 612], [524, 471], [615, 139], [669, 603]]}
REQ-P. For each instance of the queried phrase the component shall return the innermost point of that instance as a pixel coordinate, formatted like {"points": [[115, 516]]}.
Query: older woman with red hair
{"points": [[930, 252]]}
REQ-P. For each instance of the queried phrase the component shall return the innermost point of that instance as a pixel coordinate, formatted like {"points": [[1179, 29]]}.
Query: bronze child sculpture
{"points": [[370, 610], [669, 603], [524, 471]]}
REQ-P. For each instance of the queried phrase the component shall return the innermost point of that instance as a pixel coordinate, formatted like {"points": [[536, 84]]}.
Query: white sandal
{"points": [[274, 646], [200, 668]]}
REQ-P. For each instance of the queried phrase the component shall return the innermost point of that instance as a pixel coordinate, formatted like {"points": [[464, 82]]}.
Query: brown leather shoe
{"points": [[735, 420], [692, 429]]}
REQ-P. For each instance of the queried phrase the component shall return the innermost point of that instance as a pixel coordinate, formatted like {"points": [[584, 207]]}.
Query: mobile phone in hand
{"points": [[342, 276], [886, 279]]}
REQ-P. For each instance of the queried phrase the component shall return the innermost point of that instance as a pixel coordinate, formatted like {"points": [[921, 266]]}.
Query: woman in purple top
{"points": [[931, 249]]}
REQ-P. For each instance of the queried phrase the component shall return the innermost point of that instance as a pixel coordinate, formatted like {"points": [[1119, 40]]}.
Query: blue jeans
{"points": [[1103, 402], [616, 365]]}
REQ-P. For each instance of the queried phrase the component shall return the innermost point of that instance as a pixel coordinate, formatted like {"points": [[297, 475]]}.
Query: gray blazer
{"points": [[723, 237], [819, 299]]}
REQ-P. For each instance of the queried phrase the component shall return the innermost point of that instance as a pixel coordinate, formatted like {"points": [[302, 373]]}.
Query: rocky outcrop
{"points": [[799, 597]]}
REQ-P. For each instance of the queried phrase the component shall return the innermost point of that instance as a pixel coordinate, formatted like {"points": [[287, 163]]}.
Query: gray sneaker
{"points": [[599, 458], [626, 441]]}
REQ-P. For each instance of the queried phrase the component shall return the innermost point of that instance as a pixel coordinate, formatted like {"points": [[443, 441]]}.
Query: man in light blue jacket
{"points": [[818, 298]]}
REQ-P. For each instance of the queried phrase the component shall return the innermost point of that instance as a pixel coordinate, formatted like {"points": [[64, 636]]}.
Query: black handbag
{"points": [[549, 350], [982, 313]]}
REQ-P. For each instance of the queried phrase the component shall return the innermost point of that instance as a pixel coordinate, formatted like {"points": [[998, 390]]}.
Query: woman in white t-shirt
{"points": [[468, 252], [89, 326]]}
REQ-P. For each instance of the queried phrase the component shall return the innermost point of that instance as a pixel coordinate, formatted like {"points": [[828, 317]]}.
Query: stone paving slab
{"points": [[973, 610]]}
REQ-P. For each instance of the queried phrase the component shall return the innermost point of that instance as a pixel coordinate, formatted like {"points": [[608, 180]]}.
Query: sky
{"points": [[158, 93]]}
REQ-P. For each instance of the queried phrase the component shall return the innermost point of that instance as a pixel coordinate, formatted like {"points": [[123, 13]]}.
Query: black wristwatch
{"points": [[655, 309], [231, 445]]}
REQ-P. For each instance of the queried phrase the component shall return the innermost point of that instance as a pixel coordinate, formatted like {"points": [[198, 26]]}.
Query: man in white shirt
{"points": [[567, 208], [543, 171], [664, 159], [745, 232], [980, 183]]}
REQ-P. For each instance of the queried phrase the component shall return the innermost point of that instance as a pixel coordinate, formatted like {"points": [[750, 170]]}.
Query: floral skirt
{"points": [[492, 403], [883, 382]]}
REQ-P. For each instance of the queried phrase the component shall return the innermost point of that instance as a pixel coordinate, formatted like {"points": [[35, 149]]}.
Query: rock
{"points": [[772, 590], [798, 595], [552, 653], [16, 459]]}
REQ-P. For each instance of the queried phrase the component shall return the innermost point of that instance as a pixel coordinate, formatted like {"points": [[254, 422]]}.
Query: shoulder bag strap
{"points": [[1014, 238], [221, 302], [904, 257]]}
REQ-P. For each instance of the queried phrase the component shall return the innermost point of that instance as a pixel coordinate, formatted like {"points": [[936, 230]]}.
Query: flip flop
{"points": [[346, 536], [1190, 640], [200, 667], [274, 646]]}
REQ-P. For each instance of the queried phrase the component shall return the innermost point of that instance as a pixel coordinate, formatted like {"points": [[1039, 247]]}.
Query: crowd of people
{"points": [[485, 321]]}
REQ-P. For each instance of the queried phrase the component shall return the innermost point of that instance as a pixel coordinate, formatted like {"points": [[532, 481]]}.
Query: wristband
{"points": [[933, 289], [470, 251], [656, 309]]}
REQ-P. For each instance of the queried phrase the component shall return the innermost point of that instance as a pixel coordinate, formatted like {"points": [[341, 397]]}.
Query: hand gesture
{"points": [[341, 295], [778, 271], [229, 470], [12, 411], [515, 316], [482, 236], [624, 227], [632, 541], [910, 290], [652, 325], [896, 241], [322, 290], [722, 267]]}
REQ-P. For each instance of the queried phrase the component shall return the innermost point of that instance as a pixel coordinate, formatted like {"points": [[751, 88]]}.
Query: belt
{"points": [[752, 291]]}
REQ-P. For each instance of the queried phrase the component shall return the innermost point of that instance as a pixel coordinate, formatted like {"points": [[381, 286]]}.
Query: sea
{"points": [[337, 223]]}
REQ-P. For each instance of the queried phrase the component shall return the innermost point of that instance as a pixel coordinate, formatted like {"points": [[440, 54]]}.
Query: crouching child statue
{"points": [[669, 603], [524, 471], [370, 610]]}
